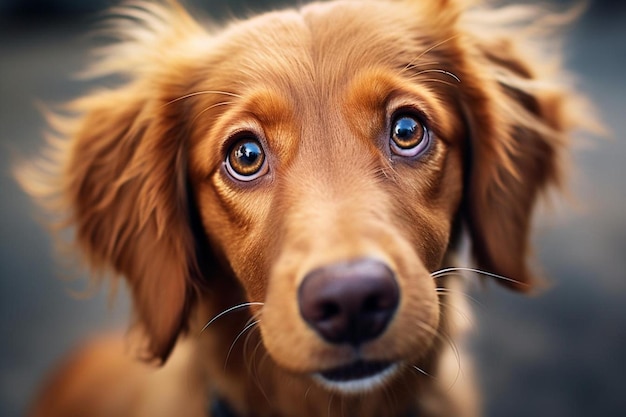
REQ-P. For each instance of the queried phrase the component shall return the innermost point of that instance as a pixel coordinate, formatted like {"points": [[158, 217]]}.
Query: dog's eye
{"points": [[246, 159], [409, 137]]}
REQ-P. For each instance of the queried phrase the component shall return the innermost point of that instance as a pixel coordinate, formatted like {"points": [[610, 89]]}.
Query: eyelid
{"points": [[410, 111], [409, 101], [241, 130]]}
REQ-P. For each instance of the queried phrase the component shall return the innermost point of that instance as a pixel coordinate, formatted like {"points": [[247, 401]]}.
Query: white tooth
{"points": [[358, 386]]}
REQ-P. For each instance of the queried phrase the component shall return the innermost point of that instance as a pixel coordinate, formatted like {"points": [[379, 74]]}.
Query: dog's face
{"points": [[331, 155], [330, 176]]}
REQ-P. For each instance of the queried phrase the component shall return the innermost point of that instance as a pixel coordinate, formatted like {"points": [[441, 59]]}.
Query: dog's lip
{"points": [[359, 369], [357, 377]]}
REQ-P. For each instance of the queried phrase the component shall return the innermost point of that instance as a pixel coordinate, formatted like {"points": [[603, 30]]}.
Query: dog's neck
{"points": [[218, 407]]}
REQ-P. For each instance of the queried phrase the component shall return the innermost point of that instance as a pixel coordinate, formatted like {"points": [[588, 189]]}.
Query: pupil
{"points": [[405, 128], [248, 153]]}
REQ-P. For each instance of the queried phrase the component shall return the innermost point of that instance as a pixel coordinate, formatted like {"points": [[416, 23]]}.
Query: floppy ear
{"points": [[519, 119], [125, 185], [119, 176]]}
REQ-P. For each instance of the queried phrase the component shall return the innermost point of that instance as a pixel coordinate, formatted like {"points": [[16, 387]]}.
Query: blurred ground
{"points": [[556, 355]]}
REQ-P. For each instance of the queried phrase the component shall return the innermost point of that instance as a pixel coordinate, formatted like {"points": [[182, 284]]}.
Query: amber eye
{"points": [[246, 160], [409, 136]]}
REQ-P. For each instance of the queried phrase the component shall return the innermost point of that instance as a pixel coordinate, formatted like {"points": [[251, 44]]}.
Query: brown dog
{"points": [[283, 197]]}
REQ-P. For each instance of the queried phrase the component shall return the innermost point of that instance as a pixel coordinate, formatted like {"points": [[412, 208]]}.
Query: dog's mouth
{"points": [[357, 377]]}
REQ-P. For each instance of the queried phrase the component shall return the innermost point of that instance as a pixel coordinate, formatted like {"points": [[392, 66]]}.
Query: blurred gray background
{"points": [[560, 354]]}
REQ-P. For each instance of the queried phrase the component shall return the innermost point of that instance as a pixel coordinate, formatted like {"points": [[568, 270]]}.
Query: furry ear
{"points": [[519, 119], [125, 184], [118, 173]]}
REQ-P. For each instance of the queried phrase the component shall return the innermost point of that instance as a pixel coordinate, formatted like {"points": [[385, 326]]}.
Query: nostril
{"points": [[349, 302], [329, 310], [372, 304]]}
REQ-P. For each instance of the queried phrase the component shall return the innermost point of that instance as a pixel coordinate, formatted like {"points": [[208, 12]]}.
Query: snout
{"points": [[349, 302]]}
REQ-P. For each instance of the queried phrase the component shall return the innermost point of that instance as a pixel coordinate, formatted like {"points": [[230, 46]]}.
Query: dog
{"points": [[285, 197]]}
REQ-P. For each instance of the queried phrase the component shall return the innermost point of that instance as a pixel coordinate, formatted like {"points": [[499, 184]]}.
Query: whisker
{"points": [[458, 311], [443, 337], [330, 402], [424, 64], [250, 359], [448, 291], [253, 359], [266, 355], [341, 406], [414, 61], [389, 171], [221, 103], [435, 80], [457, 355], [439, 71], [391, 397], [228, 310], [198, 93], [427, 327], [386, 172], [256, 365], [421, 371], [245, 329], [455, 270], [306, 393], [437, 333]]}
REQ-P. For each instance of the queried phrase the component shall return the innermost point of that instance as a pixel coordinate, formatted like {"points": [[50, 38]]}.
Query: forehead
{"points": [[316, 50], [306, 73]]}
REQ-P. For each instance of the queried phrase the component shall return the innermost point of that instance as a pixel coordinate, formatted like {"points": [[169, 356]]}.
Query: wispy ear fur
{"points": [[115, 172], [521, 111]]}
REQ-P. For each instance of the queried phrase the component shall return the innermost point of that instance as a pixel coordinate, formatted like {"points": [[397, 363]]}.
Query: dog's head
{"points": [[328, 157]]}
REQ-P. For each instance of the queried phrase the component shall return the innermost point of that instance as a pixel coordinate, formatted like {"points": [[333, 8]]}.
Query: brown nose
{"points": [[349, 302]]}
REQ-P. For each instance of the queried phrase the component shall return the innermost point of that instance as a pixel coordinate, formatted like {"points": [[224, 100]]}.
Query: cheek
{"points": [[428, 199], [234, 223]]}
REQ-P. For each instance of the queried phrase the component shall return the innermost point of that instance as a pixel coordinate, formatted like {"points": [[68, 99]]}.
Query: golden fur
{"points": [[138, 172]]}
